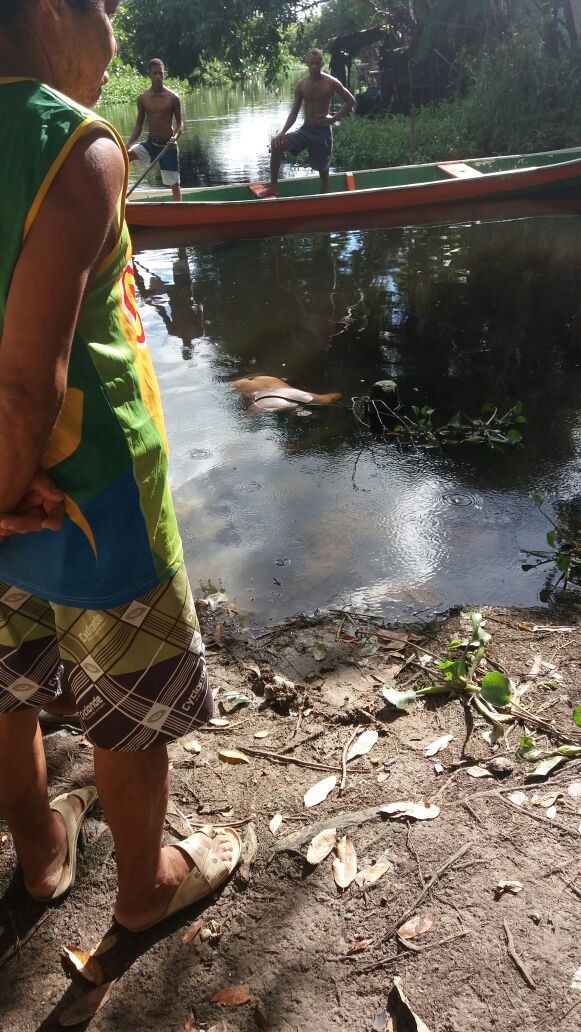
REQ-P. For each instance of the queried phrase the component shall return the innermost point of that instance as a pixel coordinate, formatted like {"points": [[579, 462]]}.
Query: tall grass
{"points": [[518, 100]]}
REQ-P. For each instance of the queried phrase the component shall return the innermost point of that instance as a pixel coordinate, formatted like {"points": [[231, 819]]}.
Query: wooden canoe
{"points": [[374, 190]]}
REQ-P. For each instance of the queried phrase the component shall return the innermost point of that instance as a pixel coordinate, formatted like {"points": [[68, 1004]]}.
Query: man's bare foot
{"points": [[139, 911], [42, 864], [269, 192]]}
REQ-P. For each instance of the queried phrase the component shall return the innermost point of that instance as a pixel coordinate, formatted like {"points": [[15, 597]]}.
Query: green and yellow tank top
{"points": [[108, 451]]}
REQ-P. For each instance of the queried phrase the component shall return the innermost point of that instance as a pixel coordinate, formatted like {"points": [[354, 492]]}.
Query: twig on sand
{"points": [[277, 757], [501, 793], [511, 950], [20, 941], [303, 741], [197, 822], [412, 909], [568, 1012], [346, 748], [417, 949], [472, 811], [538, 817]]}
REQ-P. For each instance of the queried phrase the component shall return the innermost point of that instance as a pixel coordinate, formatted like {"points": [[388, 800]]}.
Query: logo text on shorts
{"points": [[91, 627], [156, 716], [88, 710], [135, 614], [14, 598]]}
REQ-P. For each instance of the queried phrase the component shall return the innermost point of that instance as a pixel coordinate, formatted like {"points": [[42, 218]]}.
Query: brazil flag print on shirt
{"points": [[108, 450]]}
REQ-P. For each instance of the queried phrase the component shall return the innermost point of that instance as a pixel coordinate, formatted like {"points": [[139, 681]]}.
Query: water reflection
{"points": [[174, 302], [460, 315]]}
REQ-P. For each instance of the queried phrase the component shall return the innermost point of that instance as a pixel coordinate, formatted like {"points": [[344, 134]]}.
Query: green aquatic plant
{"points": [[563, 551], [546, 761], [383, 412], [459, 674]]}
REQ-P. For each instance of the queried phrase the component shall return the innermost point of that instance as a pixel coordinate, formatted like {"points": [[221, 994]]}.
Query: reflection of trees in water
{"points": [[460, 315], [276, 305], [566, 517], [477, 309], [194, 163], [174, 302]]}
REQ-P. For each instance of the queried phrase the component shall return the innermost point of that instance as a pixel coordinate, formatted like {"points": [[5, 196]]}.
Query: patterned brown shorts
{"points": [[137, 672]]}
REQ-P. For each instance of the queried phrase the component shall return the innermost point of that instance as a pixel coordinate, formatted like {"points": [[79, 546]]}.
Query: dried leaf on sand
{"points": [[513, 887], [422, 811], [86, 1008], [417, 925], [192, 745], [232, 995], [478, 772], [233, 756], [321, 845], [363, 744], [518, 798], [370, 875], [193, 931], [275, 823], [84, 964], [345, 863], [438, 745], [320, 791]]}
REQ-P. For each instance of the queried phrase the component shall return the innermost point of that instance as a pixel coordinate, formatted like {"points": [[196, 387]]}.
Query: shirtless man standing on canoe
{"points": [[160, 106], [315, 135]]}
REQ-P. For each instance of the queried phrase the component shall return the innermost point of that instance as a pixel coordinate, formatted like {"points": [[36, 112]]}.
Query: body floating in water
{"points": [[273, 394]]}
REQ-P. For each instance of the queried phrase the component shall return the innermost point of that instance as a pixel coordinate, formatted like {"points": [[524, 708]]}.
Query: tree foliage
{"points": [[246, 34], [187, 33]]}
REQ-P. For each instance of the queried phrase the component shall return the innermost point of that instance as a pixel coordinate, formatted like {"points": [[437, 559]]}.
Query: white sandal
{"points": [[73, 822], [207, 874]]}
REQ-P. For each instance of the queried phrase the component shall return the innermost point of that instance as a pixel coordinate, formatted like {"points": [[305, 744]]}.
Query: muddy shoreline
{"points": [[315, 956]]}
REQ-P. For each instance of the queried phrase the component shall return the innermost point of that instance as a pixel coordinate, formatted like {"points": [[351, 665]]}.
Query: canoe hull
{"points": [[538, 180]]}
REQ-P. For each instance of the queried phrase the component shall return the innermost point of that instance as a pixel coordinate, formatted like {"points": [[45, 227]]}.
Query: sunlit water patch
{"points": [[297, 514]]}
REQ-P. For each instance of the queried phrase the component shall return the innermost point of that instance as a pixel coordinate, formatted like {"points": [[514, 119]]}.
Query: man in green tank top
{"points": [[93, 590]]}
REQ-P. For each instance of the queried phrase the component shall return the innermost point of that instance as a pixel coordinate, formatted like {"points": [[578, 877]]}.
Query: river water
{"points": [[294, 513]]}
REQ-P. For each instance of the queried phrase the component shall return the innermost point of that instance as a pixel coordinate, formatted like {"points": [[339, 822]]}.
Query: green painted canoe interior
{"points": [[371, 179], [309, 187]]}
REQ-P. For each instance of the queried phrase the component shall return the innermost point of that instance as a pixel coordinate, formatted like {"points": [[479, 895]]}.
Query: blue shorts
{"points": [[147, 151], [317, 140]]}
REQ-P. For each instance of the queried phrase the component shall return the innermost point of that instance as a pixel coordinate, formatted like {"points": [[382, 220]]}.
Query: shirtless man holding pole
{"points": [[315, 91], [160, 106]]}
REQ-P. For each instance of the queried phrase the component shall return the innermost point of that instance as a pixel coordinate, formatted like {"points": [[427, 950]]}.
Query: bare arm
{"points": [[177, 113], [347, 97], [292, 117], [72, 231], [138, 127]]}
